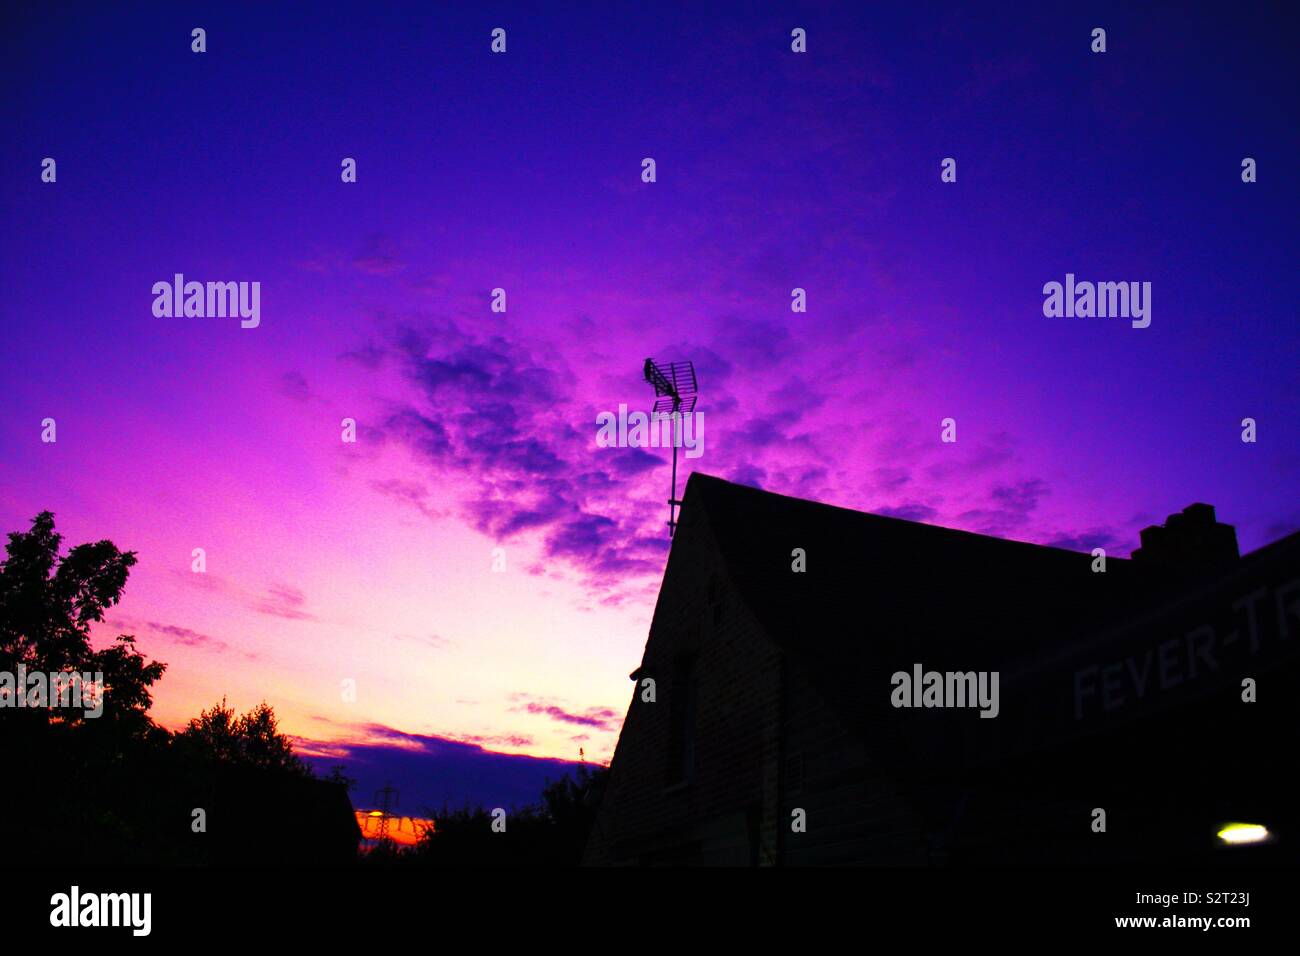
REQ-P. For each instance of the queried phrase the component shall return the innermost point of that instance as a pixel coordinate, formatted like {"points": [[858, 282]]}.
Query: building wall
{"points": [[727, 812], [795, 713], [855, 812]]}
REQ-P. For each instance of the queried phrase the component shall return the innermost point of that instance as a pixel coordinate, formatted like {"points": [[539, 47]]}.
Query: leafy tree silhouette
{"points": [[250, 740], [47, 605], [550, 833], [118, 788]]}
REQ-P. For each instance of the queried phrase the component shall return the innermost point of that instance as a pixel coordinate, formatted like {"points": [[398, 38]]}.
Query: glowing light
{"points": [[404, 831], [1243, 833]]}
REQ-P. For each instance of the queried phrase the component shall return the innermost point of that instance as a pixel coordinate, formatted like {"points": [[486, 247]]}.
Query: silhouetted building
{"points": [[259, 818], [775, 695]]}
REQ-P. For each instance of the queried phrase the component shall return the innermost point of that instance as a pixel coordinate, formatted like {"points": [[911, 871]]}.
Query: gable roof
{"points": [[882, 594], [923, 578]]}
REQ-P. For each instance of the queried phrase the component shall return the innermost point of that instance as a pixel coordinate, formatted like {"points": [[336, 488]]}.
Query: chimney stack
{"points": [[1191, 540]]}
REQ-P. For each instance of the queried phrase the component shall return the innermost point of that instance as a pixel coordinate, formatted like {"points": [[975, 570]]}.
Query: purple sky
{"points": [[476, 430]]}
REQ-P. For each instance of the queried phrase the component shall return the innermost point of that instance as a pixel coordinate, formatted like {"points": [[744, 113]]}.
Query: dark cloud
{"points": [[485, 408], [424, 435], [997, 450], [763, 431], [183, 635], [909, 512], [710, 367], [284, 601], [599, 718], [796, 398], [754, 343], [584, 534], [889, 478], [1020, 498], [1087, 540], [411, 492], [602, 719], [748, 474], [1011, 508], [207, 581], [178, 635], [295, 386], [369, 356], [633, 461], [431, 771], [497, 740]]}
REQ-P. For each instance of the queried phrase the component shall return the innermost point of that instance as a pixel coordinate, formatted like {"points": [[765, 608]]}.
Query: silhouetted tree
{"points": [[47, 605], [250, 740], [338, 775], [117, 788], [550, 833], [84, 773]]}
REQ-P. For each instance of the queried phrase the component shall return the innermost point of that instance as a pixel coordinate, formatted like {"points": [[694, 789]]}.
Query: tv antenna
{"points": [[675, 394]]}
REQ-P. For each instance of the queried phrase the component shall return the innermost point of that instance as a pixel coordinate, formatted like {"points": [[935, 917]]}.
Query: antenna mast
{"points": [[675, 394]]}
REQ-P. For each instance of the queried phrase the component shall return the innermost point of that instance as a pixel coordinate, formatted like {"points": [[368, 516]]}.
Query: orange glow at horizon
{"points": [[404, 831]]}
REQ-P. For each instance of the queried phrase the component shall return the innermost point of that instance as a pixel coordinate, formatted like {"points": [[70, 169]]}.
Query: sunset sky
{"points": [[372, 561]]}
